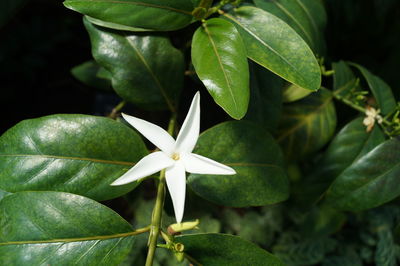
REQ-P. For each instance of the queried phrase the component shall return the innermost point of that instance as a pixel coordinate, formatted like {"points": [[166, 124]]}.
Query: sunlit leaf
{"points": [[73, 153], [273, 44], [307, 17], [219, 58]]}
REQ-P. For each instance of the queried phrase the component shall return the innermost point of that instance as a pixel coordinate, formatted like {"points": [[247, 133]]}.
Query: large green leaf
{"points": [[74, 153], [381, 91], [344, 79], [139, 76], [148, 14], [370, 181], [224, 250], [265, 97], [3, 194], [255, 156], [307, 17], [307, 125], [8, 9], [349, 145], [55, 228], [219, 57], [273, 44], [93, 75]]}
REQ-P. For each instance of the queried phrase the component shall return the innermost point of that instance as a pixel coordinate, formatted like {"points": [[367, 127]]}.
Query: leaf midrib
{"points": [[305, 120], [134, 3], [70, 158], [296, 22], [208, 33], [69, 240], [152, 74], [298, 74]]}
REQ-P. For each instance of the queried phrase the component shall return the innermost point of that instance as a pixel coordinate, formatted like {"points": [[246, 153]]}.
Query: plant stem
{"points": [[158, 207], [116, 110]]}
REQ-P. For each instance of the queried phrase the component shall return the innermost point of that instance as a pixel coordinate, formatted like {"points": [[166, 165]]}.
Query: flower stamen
{"points": [[175, 156]]}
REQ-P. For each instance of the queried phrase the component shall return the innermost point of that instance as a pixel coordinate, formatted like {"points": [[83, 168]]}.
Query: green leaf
{"points": [[4, 193], [93, 75], [370, 181], [219, 57], [8, 8], [114, 26], [220, 250], [74, 153], [307, 17], [381, 91], [255, 156], [265, 105], [273, 44], [307, 125], [137, 75], [344, 79], [148, 14], [54, 228], [349, 145], [294, 93]]}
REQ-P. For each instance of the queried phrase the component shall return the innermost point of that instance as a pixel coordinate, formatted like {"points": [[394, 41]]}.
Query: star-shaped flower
{"points": [[175, 156]]}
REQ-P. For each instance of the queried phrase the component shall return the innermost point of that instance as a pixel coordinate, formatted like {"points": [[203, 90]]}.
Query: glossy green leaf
{"points": [[219, 57], [93, 75], [307, 17], [158, 15], [114, 26], [273, 44], [8, 8], [257, 159], [137, 75], [294, 93], [265, 105], [3, 193], [370, 181], [344, 79], [381, 91], [224, 250], [307, 125], [348, 146], [55, 228], [74, 153]]}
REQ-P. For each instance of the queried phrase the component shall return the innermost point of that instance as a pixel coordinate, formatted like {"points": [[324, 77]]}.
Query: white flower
{"points": [[175, 156], [372, 115]]}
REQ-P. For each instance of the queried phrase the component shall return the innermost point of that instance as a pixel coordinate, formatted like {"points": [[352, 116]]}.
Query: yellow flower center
{"points": [[176, 156]]}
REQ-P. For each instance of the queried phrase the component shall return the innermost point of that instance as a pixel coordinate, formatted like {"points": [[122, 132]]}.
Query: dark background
{"points": [[44, 40]]}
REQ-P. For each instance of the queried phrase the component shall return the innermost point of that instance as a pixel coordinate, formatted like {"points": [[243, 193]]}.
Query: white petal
{"points": [[176, 182], [148, 165], [197, 164], [155, 134], [190, 130]]}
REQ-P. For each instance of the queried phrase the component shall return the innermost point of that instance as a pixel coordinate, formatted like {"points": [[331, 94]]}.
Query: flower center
{"points": [[176, 156]]}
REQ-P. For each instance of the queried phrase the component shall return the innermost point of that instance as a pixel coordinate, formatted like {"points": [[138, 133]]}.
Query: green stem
{"points": [[349, 103], [116, 110], [158, 207]]}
